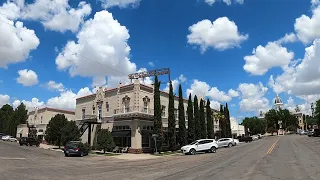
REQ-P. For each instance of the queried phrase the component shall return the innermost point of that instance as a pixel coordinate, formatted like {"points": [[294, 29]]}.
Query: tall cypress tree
{"points": [[196, 117], [203, 127], [210, 132], [182, 121], [157, 122], [171, 120], [191, 123], [222, 122], [228, 125]]}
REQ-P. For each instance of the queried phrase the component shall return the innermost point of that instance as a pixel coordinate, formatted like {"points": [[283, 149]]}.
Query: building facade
{"points": [[127, 111], [39, 119], [236, 128]]}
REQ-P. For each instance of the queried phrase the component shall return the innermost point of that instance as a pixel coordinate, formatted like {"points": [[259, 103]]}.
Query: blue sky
{"points": [[204, 42]]}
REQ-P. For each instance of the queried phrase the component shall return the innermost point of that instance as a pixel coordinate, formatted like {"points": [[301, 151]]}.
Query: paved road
{"points": [[286, 157]]}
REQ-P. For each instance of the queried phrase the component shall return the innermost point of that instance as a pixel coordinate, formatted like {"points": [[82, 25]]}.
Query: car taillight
{"points": [[77, 149]]}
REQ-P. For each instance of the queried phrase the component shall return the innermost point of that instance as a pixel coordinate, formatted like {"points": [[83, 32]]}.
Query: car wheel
{"points": [[38, 145], [81, 154], [213, 149], [21, 144], [192, 151], [66, 154], [230, 145]]}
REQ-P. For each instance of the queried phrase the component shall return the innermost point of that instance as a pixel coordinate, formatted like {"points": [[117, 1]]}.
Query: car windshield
{"points": [[72, 145], [194, 142]]}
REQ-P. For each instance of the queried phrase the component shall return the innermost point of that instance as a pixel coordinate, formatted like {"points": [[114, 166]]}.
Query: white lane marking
{"points": [[11, 158]]}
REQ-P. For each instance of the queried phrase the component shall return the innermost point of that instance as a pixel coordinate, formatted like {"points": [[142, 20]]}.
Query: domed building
{"points": [[278, 104]]}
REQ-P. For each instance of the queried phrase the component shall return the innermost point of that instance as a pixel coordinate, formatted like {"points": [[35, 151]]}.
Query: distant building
{"points": [[236, 128], [128, 112], [38, 119]]}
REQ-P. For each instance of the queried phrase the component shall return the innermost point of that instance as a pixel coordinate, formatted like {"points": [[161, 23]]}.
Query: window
{"points": [[186, 116], [41, 120], [175, 114], [126, 107], [93, 110], [83, 113], [100, 112], [145, 141], [147, 128], [145, 107], [120, 128], [163, 111], [107, 106]]}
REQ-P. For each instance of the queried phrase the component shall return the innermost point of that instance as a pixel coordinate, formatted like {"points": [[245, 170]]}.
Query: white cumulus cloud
{"points": [[220, 34], [265, 58], [56, 15], [119, 3], [104, 40], [27, 77], [52, 85], [4, 99]]}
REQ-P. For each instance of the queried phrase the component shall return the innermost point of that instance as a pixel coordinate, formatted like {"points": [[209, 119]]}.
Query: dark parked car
{"points": [[29, 141], [75, 148], [316, 132]]}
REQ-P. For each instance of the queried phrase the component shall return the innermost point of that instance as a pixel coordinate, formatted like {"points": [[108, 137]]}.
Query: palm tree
{"points": [[219, 117]]}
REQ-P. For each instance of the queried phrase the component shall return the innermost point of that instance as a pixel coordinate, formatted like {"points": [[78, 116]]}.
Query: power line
{"points": [[84, 57]]}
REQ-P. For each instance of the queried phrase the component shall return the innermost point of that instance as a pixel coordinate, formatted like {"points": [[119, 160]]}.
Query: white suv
{"points": [[201, 145]]}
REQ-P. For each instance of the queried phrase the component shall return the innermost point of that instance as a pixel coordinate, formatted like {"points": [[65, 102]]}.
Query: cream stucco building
{"points": [[127, 111], [39, 119]]}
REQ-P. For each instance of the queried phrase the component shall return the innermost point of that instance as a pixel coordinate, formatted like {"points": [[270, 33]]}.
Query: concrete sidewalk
{"points": [[50, 147], [134, 157]]}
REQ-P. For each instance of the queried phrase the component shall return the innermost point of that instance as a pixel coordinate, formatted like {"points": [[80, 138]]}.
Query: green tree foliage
{"points": [[317, 112], [210, 132], [255, 125], [196, 117], [157, 122], [227, 121], [203, 126], [222, 123], [6, 118], [20, 116], [10, 118], [171, 120], [182, 121], [191, 122], [105, 140], [272, 119], [55, 129], [70, 132]]}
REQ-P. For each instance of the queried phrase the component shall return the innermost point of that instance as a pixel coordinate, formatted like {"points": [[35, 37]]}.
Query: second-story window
{"points": [[175, 114], [146, 101], [145, 107], [41, 120], [93, 110], [83, 113], [107, 106], [186, 116], [126, 103], [163, 111], [100, 112]]}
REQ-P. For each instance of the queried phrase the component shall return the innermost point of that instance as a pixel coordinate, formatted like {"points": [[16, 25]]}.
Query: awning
{"points": [[20, 131], [121, 133], [39, 133]]}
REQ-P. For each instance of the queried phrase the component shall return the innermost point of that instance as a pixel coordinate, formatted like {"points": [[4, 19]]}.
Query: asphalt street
{"points": [[286, 157]]}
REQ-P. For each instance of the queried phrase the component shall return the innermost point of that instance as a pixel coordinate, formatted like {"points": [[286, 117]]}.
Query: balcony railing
{"points": [[133, 109]]}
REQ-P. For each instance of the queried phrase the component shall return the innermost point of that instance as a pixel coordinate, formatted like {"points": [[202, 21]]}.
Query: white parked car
{"points": [[255, 137], [201, 145], [226, 142], [9, 138]]}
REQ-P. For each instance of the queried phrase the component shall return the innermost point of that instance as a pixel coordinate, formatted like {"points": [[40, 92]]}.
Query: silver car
{"points": [[226, 142]]}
